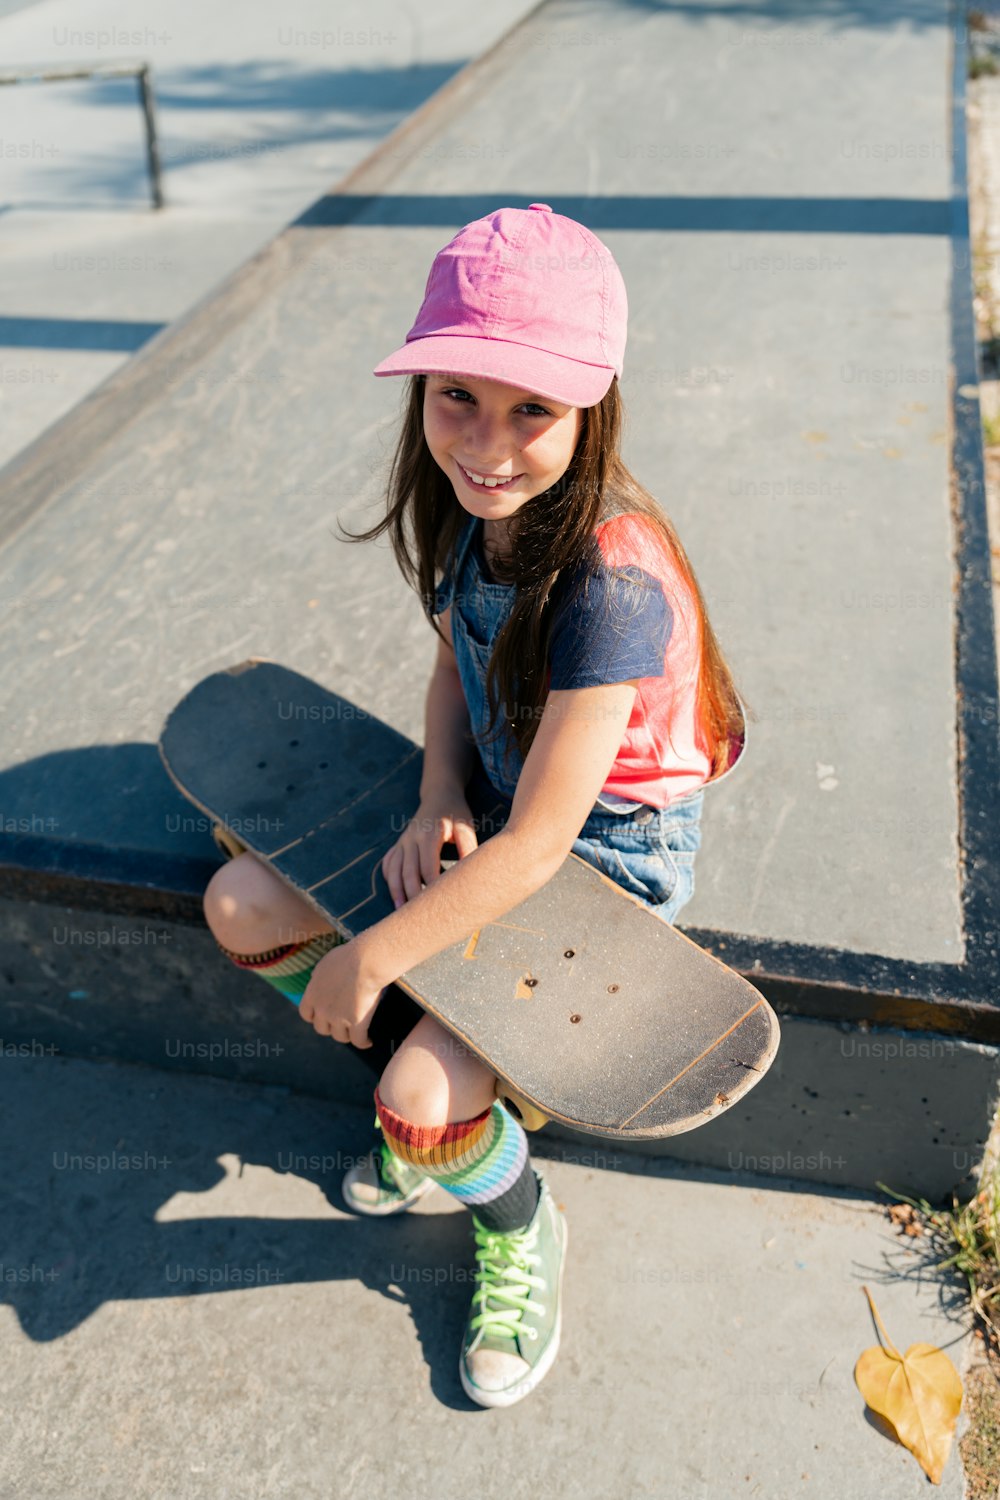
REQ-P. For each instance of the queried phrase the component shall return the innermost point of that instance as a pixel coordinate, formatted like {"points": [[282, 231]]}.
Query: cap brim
{"points": [[543, 374]]}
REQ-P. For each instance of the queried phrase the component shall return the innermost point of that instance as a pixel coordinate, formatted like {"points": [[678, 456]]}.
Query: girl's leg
{"points": [[264, 926], [267, 928], [436, 1104], [438, 1113]]}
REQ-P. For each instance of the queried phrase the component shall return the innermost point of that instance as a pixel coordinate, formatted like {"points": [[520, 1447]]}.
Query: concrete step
{"points": [[797, 301]]}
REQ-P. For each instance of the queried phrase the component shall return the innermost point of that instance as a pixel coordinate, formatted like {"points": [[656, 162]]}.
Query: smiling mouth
{"points": [[487, 482]]}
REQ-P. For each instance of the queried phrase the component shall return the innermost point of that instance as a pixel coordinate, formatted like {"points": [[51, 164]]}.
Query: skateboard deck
{"points": [[587, 1007]]}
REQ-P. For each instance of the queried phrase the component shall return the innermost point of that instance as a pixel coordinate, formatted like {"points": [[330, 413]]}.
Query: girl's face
{"points": [[487, 429]]}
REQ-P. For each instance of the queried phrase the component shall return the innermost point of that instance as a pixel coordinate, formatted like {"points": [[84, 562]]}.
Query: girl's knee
{"points": [[434, 1080], [245, 903], [409, 1087], [225, 898]]}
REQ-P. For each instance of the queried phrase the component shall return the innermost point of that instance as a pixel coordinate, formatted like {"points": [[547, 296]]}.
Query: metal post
{"points": [[152, 145]]}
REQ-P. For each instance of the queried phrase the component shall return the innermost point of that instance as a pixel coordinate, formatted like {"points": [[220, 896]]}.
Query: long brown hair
{"points": [[548, 540]]}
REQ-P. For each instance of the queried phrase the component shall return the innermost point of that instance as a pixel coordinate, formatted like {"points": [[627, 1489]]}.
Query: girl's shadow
{"points": [[96, 1155]]}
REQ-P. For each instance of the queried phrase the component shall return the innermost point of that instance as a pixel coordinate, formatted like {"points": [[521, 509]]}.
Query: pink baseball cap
{"points": [[524, 296]]}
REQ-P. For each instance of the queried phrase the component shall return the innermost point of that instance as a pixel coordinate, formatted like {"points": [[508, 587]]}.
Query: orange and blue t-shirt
{"points": [[625, 613], [633, 616]]}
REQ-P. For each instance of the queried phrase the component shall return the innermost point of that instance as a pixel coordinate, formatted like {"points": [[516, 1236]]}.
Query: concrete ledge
{"points": [[842, 1105], [839, 937], [838, 908]]}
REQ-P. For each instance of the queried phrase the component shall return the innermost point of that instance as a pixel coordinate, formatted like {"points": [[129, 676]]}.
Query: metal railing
{"points": [[120, 68]]}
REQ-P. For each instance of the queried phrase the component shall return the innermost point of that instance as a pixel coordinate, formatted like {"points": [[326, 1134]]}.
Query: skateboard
{"points": [[588, 1009]]}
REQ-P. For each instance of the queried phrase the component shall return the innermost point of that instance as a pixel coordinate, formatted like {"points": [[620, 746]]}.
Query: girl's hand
{"points": [[341, 997], [442, 818]]}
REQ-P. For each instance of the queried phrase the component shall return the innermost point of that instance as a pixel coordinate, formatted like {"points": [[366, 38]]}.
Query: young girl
{"points": [[566, 597]]}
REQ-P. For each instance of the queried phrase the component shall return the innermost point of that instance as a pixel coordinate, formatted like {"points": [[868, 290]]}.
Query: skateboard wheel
{"points": [[529, 1117], [227, 842]]}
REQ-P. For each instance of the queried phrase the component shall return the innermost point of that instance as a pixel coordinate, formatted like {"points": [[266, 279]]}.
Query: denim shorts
{"points": [[649, 852]]}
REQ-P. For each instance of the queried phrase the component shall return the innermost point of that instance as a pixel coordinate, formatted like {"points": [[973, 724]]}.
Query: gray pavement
{"points": [[259, 110], [193, 1315]]}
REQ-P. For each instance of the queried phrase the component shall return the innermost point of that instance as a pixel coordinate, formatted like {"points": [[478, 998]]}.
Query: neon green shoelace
{"points": [[504, 1281], [387, 1168], [387, 1164]]}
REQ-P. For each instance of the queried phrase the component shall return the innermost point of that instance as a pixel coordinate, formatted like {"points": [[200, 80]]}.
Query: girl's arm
{"points": [[575, 746]]}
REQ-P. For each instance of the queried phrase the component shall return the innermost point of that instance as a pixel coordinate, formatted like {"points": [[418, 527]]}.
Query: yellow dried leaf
{"points": [[919, 1393]]}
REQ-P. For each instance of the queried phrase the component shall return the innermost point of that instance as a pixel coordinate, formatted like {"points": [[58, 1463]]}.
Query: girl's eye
{"points": [[531, 406]]}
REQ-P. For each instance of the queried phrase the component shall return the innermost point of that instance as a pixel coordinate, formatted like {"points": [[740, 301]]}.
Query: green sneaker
{"points": [[382, 1184], [512, 1336]]}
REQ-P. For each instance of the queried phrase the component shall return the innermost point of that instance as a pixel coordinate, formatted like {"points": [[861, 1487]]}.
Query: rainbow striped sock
{"points": [[483, 1162], [288, 967]]}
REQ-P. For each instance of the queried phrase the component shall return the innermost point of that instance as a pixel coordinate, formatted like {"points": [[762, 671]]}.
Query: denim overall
{"points": [[648, 851]]}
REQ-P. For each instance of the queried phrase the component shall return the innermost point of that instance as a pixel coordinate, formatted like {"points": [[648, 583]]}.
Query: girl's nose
{"points": [[487, 441]]}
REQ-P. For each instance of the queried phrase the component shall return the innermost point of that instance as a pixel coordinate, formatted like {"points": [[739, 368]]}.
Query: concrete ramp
{"points": [[785, 193]]}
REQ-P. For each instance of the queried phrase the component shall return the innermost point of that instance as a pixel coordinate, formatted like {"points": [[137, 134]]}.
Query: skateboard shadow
{"points": [[103, 1199]]}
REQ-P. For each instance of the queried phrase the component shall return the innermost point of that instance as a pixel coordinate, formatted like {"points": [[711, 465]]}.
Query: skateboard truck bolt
{"points": [[570, 953], [574, 1018], [612, 989]]}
